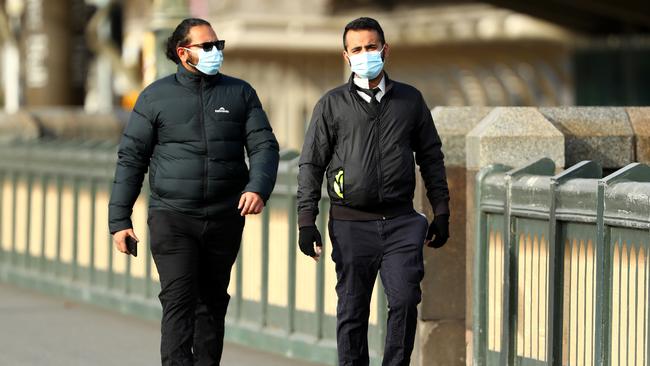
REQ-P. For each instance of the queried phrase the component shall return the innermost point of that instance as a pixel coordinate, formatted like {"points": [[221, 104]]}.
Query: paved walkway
{"points": [[38, 330]]}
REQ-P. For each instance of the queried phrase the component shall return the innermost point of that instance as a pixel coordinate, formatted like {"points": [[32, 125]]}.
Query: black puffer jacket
{"points": [[368, 156], [192, 133]]}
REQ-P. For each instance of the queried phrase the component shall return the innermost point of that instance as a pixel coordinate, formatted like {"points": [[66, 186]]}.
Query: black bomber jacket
{"points": [[367, 155]]}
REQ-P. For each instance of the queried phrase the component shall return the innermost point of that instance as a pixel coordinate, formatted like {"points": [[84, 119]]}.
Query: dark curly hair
{"points": [[181, 36]]}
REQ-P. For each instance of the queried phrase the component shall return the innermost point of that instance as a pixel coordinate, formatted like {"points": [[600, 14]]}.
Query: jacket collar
{"points": [[353, 87], [192, 80]]}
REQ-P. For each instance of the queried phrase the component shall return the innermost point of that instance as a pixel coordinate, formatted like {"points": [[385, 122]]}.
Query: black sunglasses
{"points": [[207, 46]]}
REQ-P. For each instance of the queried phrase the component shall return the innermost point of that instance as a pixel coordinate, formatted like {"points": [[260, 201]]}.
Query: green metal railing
{"points": [[562, 268], [54, 238]]}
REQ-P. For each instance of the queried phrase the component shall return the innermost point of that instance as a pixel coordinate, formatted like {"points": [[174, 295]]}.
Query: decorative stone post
{"points": [[602, 134], [510, 136], [441, 328]]}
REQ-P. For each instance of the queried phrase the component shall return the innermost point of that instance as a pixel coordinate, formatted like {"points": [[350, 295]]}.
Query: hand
{"points": [[250, 203], [119, 239], [310, 241], [440, 228]]}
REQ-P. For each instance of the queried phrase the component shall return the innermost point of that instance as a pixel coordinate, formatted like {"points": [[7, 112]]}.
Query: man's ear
{"points": [[182, 54], [386, 52], [346, 58]]}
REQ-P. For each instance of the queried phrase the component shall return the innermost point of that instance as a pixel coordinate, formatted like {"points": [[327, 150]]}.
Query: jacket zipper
{"points": [[205, 143], [380, 187], [376, 120]]}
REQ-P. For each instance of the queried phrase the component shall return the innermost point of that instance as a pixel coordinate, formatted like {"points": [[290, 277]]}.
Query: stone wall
{"points": [[62, 123], [474, 137]]}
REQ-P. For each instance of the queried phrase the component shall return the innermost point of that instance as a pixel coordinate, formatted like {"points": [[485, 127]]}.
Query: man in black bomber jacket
{"points": [[192, 130], [362, 136]]}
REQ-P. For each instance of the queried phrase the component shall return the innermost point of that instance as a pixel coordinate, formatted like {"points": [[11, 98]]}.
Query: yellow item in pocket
{"points": [[338, 184]]}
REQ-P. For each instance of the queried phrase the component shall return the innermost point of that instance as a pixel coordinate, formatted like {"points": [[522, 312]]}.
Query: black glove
{"points": [[440, 228], [306, 238]]}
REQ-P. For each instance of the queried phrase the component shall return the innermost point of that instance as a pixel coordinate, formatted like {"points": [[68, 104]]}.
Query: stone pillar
{"points": [[166, 16], [47, 52], [640, 119], [103, 68], [441, 326], [511, 136], [11, 76], [11, 57]]}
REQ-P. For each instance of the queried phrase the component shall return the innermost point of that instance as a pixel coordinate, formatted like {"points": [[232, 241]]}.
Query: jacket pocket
{"points": [[336, 181], [338, 184]]}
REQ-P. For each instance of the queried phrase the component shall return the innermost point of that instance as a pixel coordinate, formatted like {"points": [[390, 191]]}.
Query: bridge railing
{"points": [[561, 268], [54, 238]]}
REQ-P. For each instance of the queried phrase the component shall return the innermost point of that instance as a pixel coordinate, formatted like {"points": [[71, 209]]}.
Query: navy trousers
{"points": [[194, 258], [360, 249]]}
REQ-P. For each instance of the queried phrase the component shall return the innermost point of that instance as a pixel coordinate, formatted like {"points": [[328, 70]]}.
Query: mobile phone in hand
{"points": [[131, 245]]}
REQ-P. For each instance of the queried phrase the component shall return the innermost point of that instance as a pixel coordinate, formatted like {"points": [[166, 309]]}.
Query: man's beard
{"points": [[193, 60]]}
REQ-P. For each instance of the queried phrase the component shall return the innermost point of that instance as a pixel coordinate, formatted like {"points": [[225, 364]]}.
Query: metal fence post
{"points": [[2, 194], [480, 267], [14, 208], [59, 214], [320, 277], [291, 264], [45, 186], [585, 169], [110, 280], [602, 281], [544, 166], [91, 241], [75, 227], [264, 298], [28, 223], [634, 172]]}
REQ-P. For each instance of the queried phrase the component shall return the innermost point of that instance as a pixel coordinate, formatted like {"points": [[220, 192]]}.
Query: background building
{"points": [[101, 53]]}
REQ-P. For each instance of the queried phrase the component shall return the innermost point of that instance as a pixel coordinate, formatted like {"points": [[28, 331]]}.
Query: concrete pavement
{"points": [[38, 330]]}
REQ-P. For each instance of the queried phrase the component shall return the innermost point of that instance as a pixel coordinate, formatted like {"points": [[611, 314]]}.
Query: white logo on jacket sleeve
{"points": [[221, 110]]}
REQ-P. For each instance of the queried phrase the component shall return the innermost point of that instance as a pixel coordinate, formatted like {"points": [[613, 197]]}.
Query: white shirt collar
{"points": [[365, 83]]}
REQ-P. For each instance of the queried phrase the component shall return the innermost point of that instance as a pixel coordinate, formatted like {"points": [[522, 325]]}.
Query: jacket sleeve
{"points": [[133, 157], [314, 159], [430, 159], [262, 148]]}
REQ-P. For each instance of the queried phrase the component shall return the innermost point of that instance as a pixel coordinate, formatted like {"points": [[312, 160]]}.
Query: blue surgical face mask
{"points": [[367, 65], [209, 62]]}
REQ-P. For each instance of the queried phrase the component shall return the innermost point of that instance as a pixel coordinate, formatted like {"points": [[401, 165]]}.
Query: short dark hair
{"points": [[181, 36], [364, 23]]}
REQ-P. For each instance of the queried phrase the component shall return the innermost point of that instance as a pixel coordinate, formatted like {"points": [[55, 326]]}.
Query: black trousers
{"points": [[194, 258], [360, 249]]}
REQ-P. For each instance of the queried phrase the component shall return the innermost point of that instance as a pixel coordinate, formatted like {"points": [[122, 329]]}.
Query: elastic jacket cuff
{"points": [[119, 226], [440, 207], [306, 218]]}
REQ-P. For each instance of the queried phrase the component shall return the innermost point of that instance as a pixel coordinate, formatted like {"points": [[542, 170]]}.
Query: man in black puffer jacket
{"points": [[363, 136], [192, 131]]}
